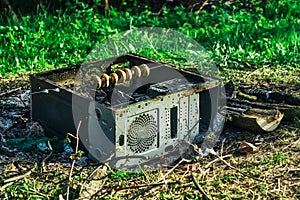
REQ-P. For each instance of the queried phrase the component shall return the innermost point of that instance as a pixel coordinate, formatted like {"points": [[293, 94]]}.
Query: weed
{"points": [[279, 158], [120, 175], [262, 189]]}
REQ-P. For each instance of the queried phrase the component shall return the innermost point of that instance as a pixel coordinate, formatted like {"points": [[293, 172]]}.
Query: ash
{"points": [[28, 137]]}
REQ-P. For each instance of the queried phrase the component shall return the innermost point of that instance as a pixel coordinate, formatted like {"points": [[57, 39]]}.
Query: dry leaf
{"points": [[190, 167]]}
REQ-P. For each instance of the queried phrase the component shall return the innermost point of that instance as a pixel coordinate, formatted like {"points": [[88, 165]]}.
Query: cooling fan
{"points": [[142, 133]]}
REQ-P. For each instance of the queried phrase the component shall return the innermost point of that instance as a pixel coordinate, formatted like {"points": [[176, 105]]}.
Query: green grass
{"points": [[252, 45], [235, 38]]}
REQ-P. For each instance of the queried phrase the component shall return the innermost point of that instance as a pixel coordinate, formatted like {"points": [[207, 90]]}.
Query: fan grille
{"points": [[142, 133]]}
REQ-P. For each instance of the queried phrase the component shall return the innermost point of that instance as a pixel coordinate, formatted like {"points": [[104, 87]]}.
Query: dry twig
{"points": [[216, 160], [119, 188], [73, 163], [236, 169], [205, 3], [291, 145], [10, 92], [162, 7], [15, 178], [204, 195]]}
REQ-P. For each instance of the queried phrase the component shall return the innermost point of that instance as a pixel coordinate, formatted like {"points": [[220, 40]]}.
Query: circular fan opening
{"points": [[142, 133]]}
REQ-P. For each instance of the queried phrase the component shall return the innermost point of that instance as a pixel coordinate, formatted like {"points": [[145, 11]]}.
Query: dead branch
{"points": [[73, 163], [236, 169], [41, 194], [15, 178], [143, 185], [10, 10], [151, 186], [205, 3], [216, 160], [290, 111], [2, 189], [171, 170], [166, 184], [291, 145], [161, 179], [119, 188], [106, 7], [204, 195], [162, 7], [10, 92]]}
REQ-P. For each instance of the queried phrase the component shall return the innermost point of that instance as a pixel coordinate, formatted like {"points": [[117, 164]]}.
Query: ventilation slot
{"points": [[174, 128]]}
